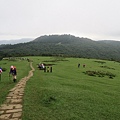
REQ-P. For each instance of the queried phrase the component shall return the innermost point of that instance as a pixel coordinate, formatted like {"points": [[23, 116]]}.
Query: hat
{"points": [[12, 66]]}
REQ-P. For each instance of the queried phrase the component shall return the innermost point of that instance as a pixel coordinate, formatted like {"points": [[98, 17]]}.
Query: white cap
{"points": [[11, 66]]}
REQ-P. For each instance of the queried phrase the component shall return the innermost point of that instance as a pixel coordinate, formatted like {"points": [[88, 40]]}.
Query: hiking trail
{"points": [[12, 108]]}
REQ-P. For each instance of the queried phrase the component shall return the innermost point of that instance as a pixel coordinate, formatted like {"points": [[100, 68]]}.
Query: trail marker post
{"points": [[48, 69], [0, 76]]}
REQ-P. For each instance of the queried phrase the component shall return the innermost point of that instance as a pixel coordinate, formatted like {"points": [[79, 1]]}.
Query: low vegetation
{"points": [[100, 73]]}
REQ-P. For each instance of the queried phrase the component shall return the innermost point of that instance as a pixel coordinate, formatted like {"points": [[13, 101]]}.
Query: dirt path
{"points": [[12, 108]]}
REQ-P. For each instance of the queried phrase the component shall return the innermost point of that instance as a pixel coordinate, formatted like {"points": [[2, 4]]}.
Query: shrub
{"points": [[4, 69], [99, 73]]}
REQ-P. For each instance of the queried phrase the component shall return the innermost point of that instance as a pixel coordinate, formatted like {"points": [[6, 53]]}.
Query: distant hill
{"points": [[23, 40], [64, 45]]}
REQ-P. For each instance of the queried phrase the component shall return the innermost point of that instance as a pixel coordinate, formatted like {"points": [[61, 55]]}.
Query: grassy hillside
{"points": [[69, 93]]}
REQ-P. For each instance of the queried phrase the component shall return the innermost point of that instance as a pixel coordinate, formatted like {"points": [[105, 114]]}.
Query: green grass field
{"points": [[68, 93]]}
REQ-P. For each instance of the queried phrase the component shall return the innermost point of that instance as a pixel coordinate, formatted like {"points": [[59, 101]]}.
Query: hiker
{"points": [[78, 65], [13, 72], [0, 70], [0, 73], [84, 65], [41, 66]]}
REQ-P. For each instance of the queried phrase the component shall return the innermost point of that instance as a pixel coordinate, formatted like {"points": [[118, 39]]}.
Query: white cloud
{"points": [[95, 19]]}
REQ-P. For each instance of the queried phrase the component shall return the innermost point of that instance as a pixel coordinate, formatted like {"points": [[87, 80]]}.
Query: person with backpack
{"points": [[0, 73], [13, 71], [0, 70]]}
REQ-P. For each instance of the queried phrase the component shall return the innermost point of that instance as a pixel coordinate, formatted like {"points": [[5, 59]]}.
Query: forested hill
{"points": [[65, 45]]}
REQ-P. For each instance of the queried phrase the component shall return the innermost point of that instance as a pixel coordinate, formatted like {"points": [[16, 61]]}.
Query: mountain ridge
{"points": [[65, 45], [16, 41]]}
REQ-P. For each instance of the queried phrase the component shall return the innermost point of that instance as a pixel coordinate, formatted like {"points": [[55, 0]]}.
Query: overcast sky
{"points": [[94, 19]]}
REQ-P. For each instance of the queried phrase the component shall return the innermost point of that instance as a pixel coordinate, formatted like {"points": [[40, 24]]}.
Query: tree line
{"points": [[65, 45]]}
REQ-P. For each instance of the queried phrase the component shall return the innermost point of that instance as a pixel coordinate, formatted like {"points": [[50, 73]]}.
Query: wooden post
{"points": [[0, 76], [45, 69], [51, 69]]}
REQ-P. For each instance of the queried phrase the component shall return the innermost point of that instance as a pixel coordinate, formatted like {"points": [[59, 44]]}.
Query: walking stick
{"points": [[0, 77], [9, 76]]}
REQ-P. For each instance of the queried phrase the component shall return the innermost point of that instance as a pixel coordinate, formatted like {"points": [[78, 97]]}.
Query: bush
{"points": [[99, 73], [4, 69]]}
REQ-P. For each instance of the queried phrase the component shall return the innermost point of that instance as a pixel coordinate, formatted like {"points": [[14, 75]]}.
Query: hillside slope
{"points": [[66, 45]]}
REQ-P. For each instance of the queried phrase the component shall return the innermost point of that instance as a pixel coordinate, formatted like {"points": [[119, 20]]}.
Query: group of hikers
{"points": [[12, 72], [41, 66]]}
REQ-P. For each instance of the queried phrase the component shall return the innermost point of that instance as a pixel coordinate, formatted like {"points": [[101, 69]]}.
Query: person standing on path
{"points": [[13, 71], [78, 65]]}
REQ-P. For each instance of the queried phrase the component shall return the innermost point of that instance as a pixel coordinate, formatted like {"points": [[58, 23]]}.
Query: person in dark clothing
{"points": [[78, 65], [13, 71]]}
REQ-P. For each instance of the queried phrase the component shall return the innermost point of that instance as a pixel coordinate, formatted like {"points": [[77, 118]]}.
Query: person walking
{"points": [[0, 73], [78, 65], [13, 71]]}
